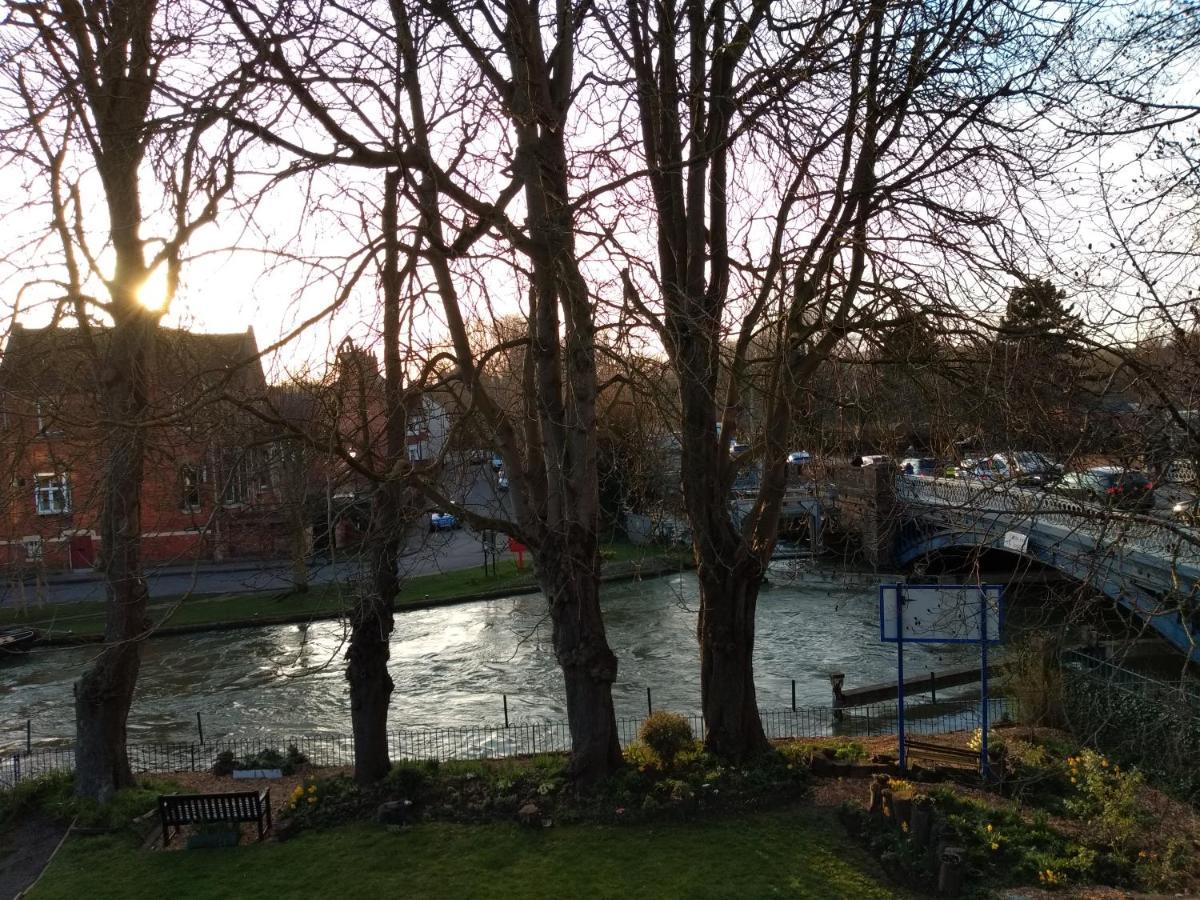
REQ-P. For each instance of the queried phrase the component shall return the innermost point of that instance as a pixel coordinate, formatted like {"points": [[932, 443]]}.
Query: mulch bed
{"points": [[207, 783]]}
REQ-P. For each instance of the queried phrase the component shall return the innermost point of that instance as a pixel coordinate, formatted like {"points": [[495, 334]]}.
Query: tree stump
{"points": [[920, 823], [879, 784], [951, 872], [888, 805]]}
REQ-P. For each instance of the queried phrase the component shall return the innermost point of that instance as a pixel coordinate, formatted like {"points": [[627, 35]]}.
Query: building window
{"points": [[241, 474], [189, 487], [414, 452], [52, 493], [33, 549]]}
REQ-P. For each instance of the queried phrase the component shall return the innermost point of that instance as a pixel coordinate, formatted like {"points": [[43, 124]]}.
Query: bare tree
{"points": [[520, 92], [106, 109], [810, 170]]}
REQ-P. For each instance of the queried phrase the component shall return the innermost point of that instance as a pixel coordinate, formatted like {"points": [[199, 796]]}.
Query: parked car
{"points": [[736, 448], [926, 466], [497, 462], [1023, 467], [798, 457], [443, 521], [502, 482], [873, 459], [1110, 486]]}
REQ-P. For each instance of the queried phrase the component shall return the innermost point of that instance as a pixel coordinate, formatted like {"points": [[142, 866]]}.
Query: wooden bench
{"points": [[940, 753], [177, 810]]}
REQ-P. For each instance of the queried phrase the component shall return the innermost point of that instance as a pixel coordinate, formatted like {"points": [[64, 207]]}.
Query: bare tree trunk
{"points": [[570, 578], [104, 694], [370, 634], [298, 525], [728, 597], [372, 622]]}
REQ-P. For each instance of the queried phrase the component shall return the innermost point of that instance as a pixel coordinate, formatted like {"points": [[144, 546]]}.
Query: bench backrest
{"points": [[190, 809]]}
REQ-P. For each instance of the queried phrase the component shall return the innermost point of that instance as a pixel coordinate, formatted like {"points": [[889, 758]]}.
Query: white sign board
{"points": [[1016, 541], [940, 613]]}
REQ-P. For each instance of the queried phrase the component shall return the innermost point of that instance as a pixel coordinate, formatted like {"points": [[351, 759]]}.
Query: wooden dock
{"points": [[920, 683]]}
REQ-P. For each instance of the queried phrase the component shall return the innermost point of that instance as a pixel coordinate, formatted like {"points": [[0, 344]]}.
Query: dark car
{"points": [[925, 466], [1110, 486]]}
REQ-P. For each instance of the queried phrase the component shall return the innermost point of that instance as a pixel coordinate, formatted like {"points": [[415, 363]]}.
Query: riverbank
{"points": [[69, 624]]}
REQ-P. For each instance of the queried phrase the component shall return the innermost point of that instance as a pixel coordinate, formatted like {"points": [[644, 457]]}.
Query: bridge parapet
{"points": [[976, 502]]}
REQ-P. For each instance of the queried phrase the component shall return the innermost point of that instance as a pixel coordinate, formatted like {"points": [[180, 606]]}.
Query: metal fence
{"points": [[1138, 719], [518, 739]]}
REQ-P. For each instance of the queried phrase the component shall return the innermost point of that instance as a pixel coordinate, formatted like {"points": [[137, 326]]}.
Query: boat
{"points": [[17, 638]]}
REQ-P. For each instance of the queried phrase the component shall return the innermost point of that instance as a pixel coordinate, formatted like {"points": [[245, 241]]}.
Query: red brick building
{"points": [[208, 481]]}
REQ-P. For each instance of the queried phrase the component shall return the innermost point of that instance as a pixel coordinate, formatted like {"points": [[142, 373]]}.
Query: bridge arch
{"points": [[1103, 578]]}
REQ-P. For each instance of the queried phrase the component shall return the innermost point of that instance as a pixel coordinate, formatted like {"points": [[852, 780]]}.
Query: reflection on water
{"points": [[451, 665]]}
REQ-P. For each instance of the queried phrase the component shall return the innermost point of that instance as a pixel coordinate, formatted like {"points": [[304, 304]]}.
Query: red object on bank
{"points": [[518, 548]]}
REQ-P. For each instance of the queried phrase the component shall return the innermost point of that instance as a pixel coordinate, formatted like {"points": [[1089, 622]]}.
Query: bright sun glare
{"points": [[153, 292]]}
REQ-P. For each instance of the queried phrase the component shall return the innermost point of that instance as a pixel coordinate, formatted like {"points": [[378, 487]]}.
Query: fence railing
{"points": [[1108, 528], [518, 739], [1140, 720]]}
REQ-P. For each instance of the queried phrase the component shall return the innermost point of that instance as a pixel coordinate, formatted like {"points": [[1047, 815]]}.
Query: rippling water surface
{"points": [[452, 664]]}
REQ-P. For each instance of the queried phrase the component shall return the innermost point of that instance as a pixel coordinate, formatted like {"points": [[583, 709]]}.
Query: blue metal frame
{"points": [[983, 640], [982, 588]]}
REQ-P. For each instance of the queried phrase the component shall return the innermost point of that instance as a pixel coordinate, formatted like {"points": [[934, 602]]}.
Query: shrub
{"points": [[267, 758], [408, 780], [1105, 798], [225, 763], [667, 734], [849, 751]]}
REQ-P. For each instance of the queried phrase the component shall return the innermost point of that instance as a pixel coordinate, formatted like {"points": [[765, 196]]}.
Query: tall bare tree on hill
{"points": [[112, 135], [810, 169], [440, 90]]}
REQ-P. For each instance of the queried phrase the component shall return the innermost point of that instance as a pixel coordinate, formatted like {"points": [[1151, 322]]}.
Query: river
{"points": [[451, 665]]}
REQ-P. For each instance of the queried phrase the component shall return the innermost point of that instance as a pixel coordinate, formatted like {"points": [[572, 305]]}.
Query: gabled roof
{"points": [[40, 362]]}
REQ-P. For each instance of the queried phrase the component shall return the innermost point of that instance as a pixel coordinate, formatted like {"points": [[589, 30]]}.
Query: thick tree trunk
{"points": [[104, 693], [298, 526], [570, 578], [371, 628], [728, 597]]}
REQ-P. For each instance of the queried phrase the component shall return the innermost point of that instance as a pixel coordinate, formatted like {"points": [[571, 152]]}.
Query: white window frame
{"points": [[196, 473], [45, 486]]}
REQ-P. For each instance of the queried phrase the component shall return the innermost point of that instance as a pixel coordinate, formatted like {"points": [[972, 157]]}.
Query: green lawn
{"points": [[797, 853], [83, 619]]}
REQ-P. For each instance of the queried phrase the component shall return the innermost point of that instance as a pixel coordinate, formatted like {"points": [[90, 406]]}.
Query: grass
{"points": [[799, 853], [86, 619]]}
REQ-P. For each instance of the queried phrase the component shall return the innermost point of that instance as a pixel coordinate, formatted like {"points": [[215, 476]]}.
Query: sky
{"points": [[266, 284]]}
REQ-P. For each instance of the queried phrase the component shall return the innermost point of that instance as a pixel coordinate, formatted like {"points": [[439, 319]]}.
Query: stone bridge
{"points": [[1147, 565]]}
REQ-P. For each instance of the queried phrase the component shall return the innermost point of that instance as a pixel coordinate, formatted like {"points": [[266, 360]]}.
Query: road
{"points": [[424, 554]]}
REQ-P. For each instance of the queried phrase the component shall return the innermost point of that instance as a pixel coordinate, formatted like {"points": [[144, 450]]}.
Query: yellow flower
{"points": [[312, 800], [312, 789], [1104, 762], [995, 846], [904, 827], [1072, 780], [989, 828]]}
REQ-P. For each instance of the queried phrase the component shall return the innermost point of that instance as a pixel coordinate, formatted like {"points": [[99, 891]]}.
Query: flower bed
{"points": [[1071, 817]]}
